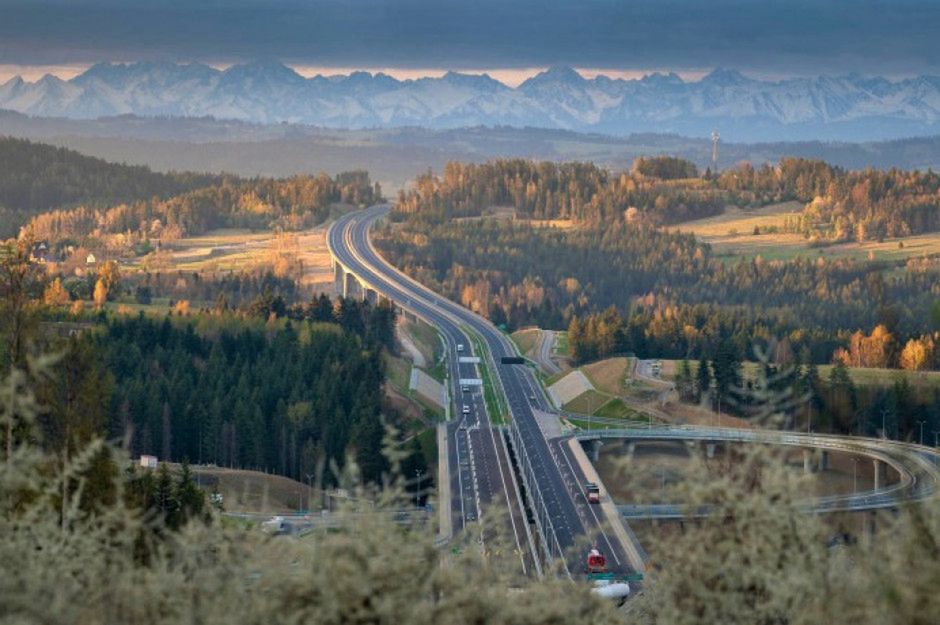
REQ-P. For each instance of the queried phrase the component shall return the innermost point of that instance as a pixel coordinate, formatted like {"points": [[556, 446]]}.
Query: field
{"points": [[253, 491], [303, 254], [731, 235], [608, 375], [525, 339], [861, 376]]}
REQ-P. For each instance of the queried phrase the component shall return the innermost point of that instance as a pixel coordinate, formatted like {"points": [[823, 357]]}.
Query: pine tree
{"points": [[703, 380]]}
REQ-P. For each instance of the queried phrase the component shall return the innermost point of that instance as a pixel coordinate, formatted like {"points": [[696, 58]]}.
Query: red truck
{"points": [[593, 492]]}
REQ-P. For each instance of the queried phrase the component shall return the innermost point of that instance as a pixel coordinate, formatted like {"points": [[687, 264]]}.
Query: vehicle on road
{"points": [[532, 397], [617, 591], [466, 409], [459, 347], [593, 492], [464, 389], [596, 562]]}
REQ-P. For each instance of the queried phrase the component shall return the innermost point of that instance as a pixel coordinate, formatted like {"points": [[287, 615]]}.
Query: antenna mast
{"points": [[715, 138]]}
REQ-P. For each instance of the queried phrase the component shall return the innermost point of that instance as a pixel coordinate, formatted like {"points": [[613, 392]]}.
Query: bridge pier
{"points": [[710, 450], [807, 461], [339, 276], [596, 450], [351, 286], [880, 473], [631, 447], [371, 296], [823, 460]]}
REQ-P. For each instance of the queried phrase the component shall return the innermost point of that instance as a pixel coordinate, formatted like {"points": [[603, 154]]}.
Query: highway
{"points": [[552, 478], [481, 477]]}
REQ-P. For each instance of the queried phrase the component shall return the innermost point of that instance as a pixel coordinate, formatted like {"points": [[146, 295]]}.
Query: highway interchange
{"points": [[548, 487], [477, 452]]}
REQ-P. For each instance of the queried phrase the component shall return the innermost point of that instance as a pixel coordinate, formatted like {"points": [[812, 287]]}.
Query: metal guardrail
{"points": [[917, 482], [549, 539]]}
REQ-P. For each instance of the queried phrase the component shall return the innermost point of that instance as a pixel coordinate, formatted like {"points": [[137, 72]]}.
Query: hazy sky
{"points": [[763, 37]]}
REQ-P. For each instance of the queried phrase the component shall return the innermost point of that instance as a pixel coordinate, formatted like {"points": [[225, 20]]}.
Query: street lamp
{"points": [[310, 477], [417, 487], [854, 475]]}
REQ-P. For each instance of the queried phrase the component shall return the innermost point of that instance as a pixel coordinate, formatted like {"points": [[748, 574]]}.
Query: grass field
{"points": [[608, 375], [861, 376], [616, 409], [587, 402], [731, 235], [525, 339], [221, 251], [426, 339], [253, 491]]}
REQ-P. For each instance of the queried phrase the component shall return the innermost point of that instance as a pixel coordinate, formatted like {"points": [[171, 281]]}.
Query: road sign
{"points": [[473, 360], [512, 360]]}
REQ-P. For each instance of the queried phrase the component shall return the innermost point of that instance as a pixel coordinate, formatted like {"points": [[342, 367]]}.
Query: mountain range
{"points": [[850, 107]]}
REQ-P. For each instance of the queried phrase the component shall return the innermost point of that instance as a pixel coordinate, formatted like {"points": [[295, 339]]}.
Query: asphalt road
{"points": [[480, 471], [577, 525]]}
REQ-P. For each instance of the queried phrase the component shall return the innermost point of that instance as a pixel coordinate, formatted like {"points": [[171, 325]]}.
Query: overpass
{"points": [[536, 474], [917, 466], [550, 520]]}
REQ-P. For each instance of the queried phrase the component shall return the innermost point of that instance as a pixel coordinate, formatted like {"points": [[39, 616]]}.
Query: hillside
{"points": [[36, 177], [394, 155]]}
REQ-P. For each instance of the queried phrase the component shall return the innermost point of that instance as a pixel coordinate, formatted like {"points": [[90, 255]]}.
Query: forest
{"points": [[622, 284], [237, 389], [840, 205], [261, 203], [35, 178]]}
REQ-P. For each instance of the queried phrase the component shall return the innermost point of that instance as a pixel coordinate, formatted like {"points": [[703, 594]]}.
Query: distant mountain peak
{"points": [[266, 91], [723, 77], [560, 74]]}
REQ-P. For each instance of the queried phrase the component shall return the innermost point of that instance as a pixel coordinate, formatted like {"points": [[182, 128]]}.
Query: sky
{"points": [[510, 39]]}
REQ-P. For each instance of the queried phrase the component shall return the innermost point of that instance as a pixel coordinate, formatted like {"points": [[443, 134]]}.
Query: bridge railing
{"points": [[551, 548]]}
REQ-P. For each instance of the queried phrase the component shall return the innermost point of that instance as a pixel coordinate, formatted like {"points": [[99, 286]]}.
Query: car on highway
{"points": [[459, 347], [531, 396], [593, 492], [464, 389], [466, 409]]}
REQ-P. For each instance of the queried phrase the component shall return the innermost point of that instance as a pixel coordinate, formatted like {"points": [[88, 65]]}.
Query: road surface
{"points": [[568, 520]]}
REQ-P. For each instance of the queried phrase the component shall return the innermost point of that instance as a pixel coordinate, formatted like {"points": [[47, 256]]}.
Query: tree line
{"points": [[290, 204], [35, 178], [840, 205]]}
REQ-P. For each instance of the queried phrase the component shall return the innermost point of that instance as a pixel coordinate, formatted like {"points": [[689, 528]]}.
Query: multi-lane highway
{"points": [[481, 476], [565, 524]]}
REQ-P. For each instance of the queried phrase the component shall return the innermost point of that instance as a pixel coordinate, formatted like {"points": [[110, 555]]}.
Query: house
{"points": [[148, 462], [90, 259]]}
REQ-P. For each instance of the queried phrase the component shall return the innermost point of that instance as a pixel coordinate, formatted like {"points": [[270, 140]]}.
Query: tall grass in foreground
{"points": [[759, 560], [61, 564]]}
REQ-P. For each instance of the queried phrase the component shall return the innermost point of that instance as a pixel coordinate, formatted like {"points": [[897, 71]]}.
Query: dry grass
{"points": [[731, 235], [254, 491], [608, 375], [862, 376], [587, 402], [304, 254], [526, 339]]}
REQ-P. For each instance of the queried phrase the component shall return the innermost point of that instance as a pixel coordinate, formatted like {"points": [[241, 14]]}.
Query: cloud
{"points": [[769, 36]]}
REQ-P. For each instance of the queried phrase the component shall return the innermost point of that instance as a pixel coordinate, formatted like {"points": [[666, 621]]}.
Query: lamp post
{"points": [[309, 488], [417, 487], [854, 475]]}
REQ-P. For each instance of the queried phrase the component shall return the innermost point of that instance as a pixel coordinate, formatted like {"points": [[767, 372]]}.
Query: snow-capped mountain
{"points": [[742, 108]]}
